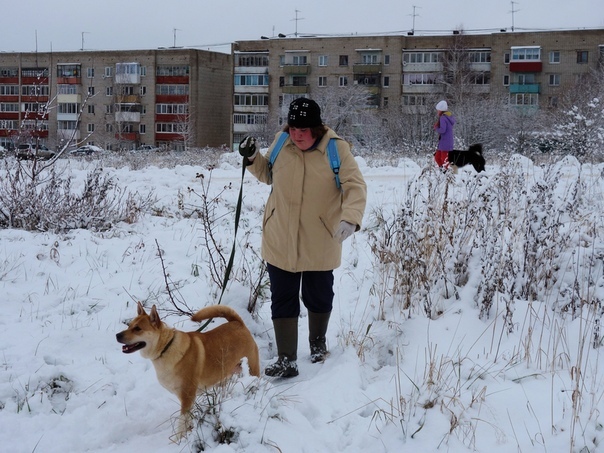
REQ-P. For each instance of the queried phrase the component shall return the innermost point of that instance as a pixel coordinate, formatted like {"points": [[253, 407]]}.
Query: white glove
{"points": [[344, 231]]}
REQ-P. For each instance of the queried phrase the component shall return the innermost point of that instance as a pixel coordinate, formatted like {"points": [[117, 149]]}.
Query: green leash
{"points": [[229, 267]]}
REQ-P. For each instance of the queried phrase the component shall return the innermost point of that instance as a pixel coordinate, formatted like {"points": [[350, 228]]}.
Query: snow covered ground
{"points": [[396, 380]]}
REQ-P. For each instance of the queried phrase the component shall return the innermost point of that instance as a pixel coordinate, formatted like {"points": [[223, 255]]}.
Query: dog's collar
{"points": [[167, 346]]}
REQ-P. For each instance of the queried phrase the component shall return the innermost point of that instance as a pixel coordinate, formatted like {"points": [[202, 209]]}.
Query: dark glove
{"points": [[247, 147], [344, 231]]}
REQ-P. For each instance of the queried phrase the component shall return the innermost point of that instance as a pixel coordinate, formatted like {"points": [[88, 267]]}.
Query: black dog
{"points": [[472, 156]]}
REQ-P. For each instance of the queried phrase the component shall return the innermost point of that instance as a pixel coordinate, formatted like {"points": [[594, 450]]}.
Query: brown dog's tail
{"points": [[216, 311]]}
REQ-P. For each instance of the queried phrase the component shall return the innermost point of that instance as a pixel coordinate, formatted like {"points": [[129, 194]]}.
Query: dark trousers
{"points": [[317, 291]]}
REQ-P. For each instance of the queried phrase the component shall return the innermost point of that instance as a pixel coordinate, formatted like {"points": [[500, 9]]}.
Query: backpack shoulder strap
{"points": [[334, 159], [277, 149], [332, 155]]}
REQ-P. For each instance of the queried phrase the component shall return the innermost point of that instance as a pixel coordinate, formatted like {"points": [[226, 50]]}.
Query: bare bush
{"points": [[47, 201]]}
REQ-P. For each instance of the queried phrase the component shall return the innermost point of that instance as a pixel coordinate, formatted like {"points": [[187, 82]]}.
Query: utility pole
{"points": [[513, 11], [174, 30], [84, 32], [297, 19], [414, 16]]}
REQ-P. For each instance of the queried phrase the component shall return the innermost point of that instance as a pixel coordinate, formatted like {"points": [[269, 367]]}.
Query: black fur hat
{"points": [[304, 113]]}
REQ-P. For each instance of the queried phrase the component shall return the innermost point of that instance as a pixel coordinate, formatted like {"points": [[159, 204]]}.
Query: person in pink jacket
{"points": [[306, 219], [444, 127]]}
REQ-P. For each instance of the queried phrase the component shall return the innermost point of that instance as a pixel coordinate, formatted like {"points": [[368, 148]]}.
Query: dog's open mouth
{"points": [[128, 348]]}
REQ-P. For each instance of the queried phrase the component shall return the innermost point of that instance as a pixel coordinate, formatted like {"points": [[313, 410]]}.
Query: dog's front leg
{"points": [[185, 420], [183, 426]]}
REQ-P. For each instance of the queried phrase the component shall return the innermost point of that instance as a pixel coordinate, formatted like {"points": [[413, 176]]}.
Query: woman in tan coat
{"points": [[306, 219]]}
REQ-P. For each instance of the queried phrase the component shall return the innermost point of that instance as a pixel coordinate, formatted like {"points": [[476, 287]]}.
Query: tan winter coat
{"points": [[305, 207]]}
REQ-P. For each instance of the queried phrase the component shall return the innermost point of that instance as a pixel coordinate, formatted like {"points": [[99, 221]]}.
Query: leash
{"points": [[227, 272]]}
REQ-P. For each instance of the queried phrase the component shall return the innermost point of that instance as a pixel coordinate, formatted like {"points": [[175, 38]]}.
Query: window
{"points": [[322, 81], [299, 81], [142, 128], [251, 99], [524, 99], [582, 56], [553, 101], [480, 78], [68, 125], [109, 108], [323, 60], [143, 90], [526, 54], [90, 73], [385, 103], [421, 57], [108, 127], [9, 72], [343, 60], [249, 118], [343, 81], [299, 60], [525, 79], [90, 128], [251, 60], [554, 79], [90, 91], [172, 109], [109, 91], [386, 81], [369, 59], [506, 80], [172, 71], [413, 100], [386, 59], [68, 70], [9, 90], [554, 57], [67, 89], [34, 90], [251, 80], [91, 109], [108, 71], [281, 60], [177, 90], [506, 58], [69, 108], [482, 56], [428, 78], [9, 107]]}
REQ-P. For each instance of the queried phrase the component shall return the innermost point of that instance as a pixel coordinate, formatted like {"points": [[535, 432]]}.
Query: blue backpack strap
{"points": [[334, 160], [332, 155], [277, 149]]}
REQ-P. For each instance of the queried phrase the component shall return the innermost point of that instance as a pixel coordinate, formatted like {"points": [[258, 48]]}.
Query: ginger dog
{"points": [[189, 362]]}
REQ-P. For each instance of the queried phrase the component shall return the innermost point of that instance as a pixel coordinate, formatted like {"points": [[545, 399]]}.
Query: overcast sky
{"points": [[67, 25]]}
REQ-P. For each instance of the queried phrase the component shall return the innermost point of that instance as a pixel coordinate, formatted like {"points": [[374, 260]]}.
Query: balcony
{"points": [[128, 136], [526, 66], [302, 69], [128, 99], [362, 68], [295, 89], [525, 88], [127, 117]]}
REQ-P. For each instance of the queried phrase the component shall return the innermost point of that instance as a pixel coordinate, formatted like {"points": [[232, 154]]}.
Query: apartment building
{"points": [[408, 72], [181, 98], [176, 98]]}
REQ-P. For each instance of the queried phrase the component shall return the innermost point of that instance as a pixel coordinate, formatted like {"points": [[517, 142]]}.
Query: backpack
{"points": [[332, 153]]}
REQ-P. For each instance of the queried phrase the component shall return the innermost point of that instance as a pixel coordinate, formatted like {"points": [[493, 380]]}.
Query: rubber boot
{"points": [[286, 337], [317, 328]]}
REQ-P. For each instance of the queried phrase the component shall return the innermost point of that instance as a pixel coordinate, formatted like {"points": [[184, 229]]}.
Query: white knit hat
{"points": [[442, 106]]}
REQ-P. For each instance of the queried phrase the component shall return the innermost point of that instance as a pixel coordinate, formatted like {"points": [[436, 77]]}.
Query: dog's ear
{"points": [[155, 321], [140, 309]]}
